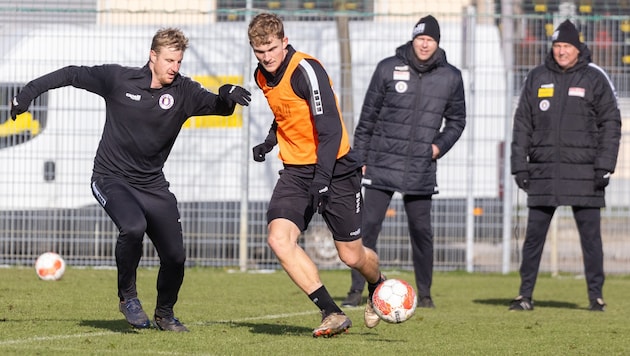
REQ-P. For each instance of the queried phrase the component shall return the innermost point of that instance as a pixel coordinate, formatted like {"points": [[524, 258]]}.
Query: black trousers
{"points": [[418, 210], [588, 222], [136, 212]]}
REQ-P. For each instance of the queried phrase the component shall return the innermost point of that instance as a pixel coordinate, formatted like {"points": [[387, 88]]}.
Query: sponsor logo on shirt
{"points": [[574, 91], [400, 75], [545, 91], [135, 97], [544, 105], [166, 101], [401, 87]]}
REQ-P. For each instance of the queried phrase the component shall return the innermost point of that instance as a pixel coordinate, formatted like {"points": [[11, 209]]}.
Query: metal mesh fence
{"points": [[478, 217]]}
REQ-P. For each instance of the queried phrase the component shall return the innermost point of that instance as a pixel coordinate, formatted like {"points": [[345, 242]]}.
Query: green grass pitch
{"points": [[246, 313]]}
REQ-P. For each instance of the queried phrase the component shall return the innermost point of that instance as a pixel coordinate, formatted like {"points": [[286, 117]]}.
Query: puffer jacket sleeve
{"points": [[608, 120], [454, 116], [372, 104], [522, 130]]}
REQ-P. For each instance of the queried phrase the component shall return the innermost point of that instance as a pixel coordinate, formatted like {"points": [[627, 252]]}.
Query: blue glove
{"points": [[234, 93]]}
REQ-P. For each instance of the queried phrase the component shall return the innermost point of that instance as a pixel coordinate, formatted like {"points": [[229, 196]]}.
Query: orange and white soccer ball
{"points": [[394, 301], [50, 266]]}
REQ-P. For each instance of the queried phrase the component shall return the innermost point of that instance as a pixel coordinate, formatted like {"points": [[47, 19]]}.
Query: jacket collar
{"points": [[584, 58], [146, 76], [407, 55], [274, 79]]}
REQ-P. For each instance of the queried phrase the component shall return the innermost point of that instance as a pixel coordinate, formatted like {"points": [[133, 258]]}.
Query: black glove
{"points": [[522, 180], [319, 193], [271, 140], [261, 150], [19, 105], [602, 178], [234, 93]]}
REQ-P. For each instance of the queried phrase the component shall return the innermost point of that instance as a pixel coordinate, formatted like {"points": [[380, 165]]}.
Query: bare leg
{"points": [[283, 236], [359, 257]]}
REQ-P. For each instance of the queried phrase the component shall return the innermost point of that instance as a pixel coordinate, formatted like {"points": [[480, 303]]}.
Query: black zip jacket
{"points": [[141, 124]]}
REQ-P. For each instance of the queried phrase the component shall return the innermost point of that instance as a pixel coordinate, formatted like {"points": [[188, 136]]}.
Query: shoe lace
{"points": [[133, 305]]}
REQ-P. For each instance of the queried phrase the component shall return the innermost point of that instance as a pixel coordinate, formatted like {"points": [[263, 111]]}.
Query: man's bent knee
{"points": [[283, 235], [353, 255]]}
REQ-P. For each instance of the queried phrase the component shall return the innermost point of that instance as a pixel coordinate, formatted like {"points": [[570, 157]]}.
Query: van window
{"points": [[27, 125]]}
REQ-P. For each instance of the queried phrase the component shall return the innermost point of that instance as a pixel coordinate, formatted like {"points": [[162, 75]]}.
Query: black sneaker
{"points": [[597, 305], [521, 303], [169, 324], [353, 299], [425, 302], [132, 310]]}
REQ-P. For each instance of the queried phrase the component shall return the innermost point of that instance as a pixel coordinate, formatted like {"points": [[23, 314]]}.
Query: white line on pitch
{"points": [[103, 333], [51, 338], [263, 317]]}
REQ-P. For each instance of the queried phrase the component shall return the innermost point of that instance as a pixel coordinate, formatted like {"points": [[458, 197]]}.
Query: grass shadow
{"points": [[120, 326], [273, 329], [301, 331], [537, 303]]}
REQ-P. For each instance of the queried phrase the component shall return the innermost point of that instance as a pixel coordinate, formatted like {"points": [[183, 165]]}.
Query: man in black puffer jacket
{"points": [[566, 134], [413, 113]]}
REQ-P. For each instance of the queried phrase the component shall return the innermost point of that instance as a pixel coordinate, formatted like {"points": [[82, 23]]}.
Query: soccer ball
{"points": [[394, 301], [50, 266]]}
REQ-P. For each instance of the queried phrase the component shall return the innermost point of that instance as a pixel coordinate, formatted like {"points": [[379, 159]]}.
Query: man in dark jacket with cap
{"points": [[413, 113], [566, 134]]}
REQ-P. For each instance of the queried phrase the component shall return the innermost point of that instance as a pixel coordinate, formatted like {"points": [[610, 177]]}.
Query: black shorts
{"points": [[291, 200]]}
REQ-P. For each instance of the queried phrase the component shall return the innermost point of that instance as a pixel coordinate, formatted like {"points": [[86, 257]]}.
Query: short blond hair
{"points": [[169, 37], [264, 25]]}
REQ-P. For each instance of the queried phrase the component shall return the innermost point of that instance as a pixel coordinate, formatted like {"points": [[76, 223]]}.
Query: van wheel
{"points": [[319, 245]]}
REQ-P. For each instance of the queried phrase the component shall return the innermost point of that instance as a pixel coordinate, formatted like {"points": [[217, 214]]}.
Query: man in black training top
{"points": [[145, 110]]}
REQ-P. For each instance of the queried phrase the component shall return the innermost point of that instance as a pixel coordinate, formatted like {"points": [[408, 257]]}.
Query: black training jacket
{"points": [[141, 124], [408, 107], [566, 126]]}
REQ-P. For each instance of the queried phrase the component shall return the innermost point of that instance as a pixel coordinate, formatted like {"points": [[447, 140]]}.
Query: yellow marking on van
{"points": [[213, 83], [23, 124]]}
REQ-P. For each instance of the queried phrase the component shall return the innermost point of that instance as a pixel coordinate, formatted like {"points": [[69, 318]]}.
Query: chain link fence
{"points": [[478, 217]]}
